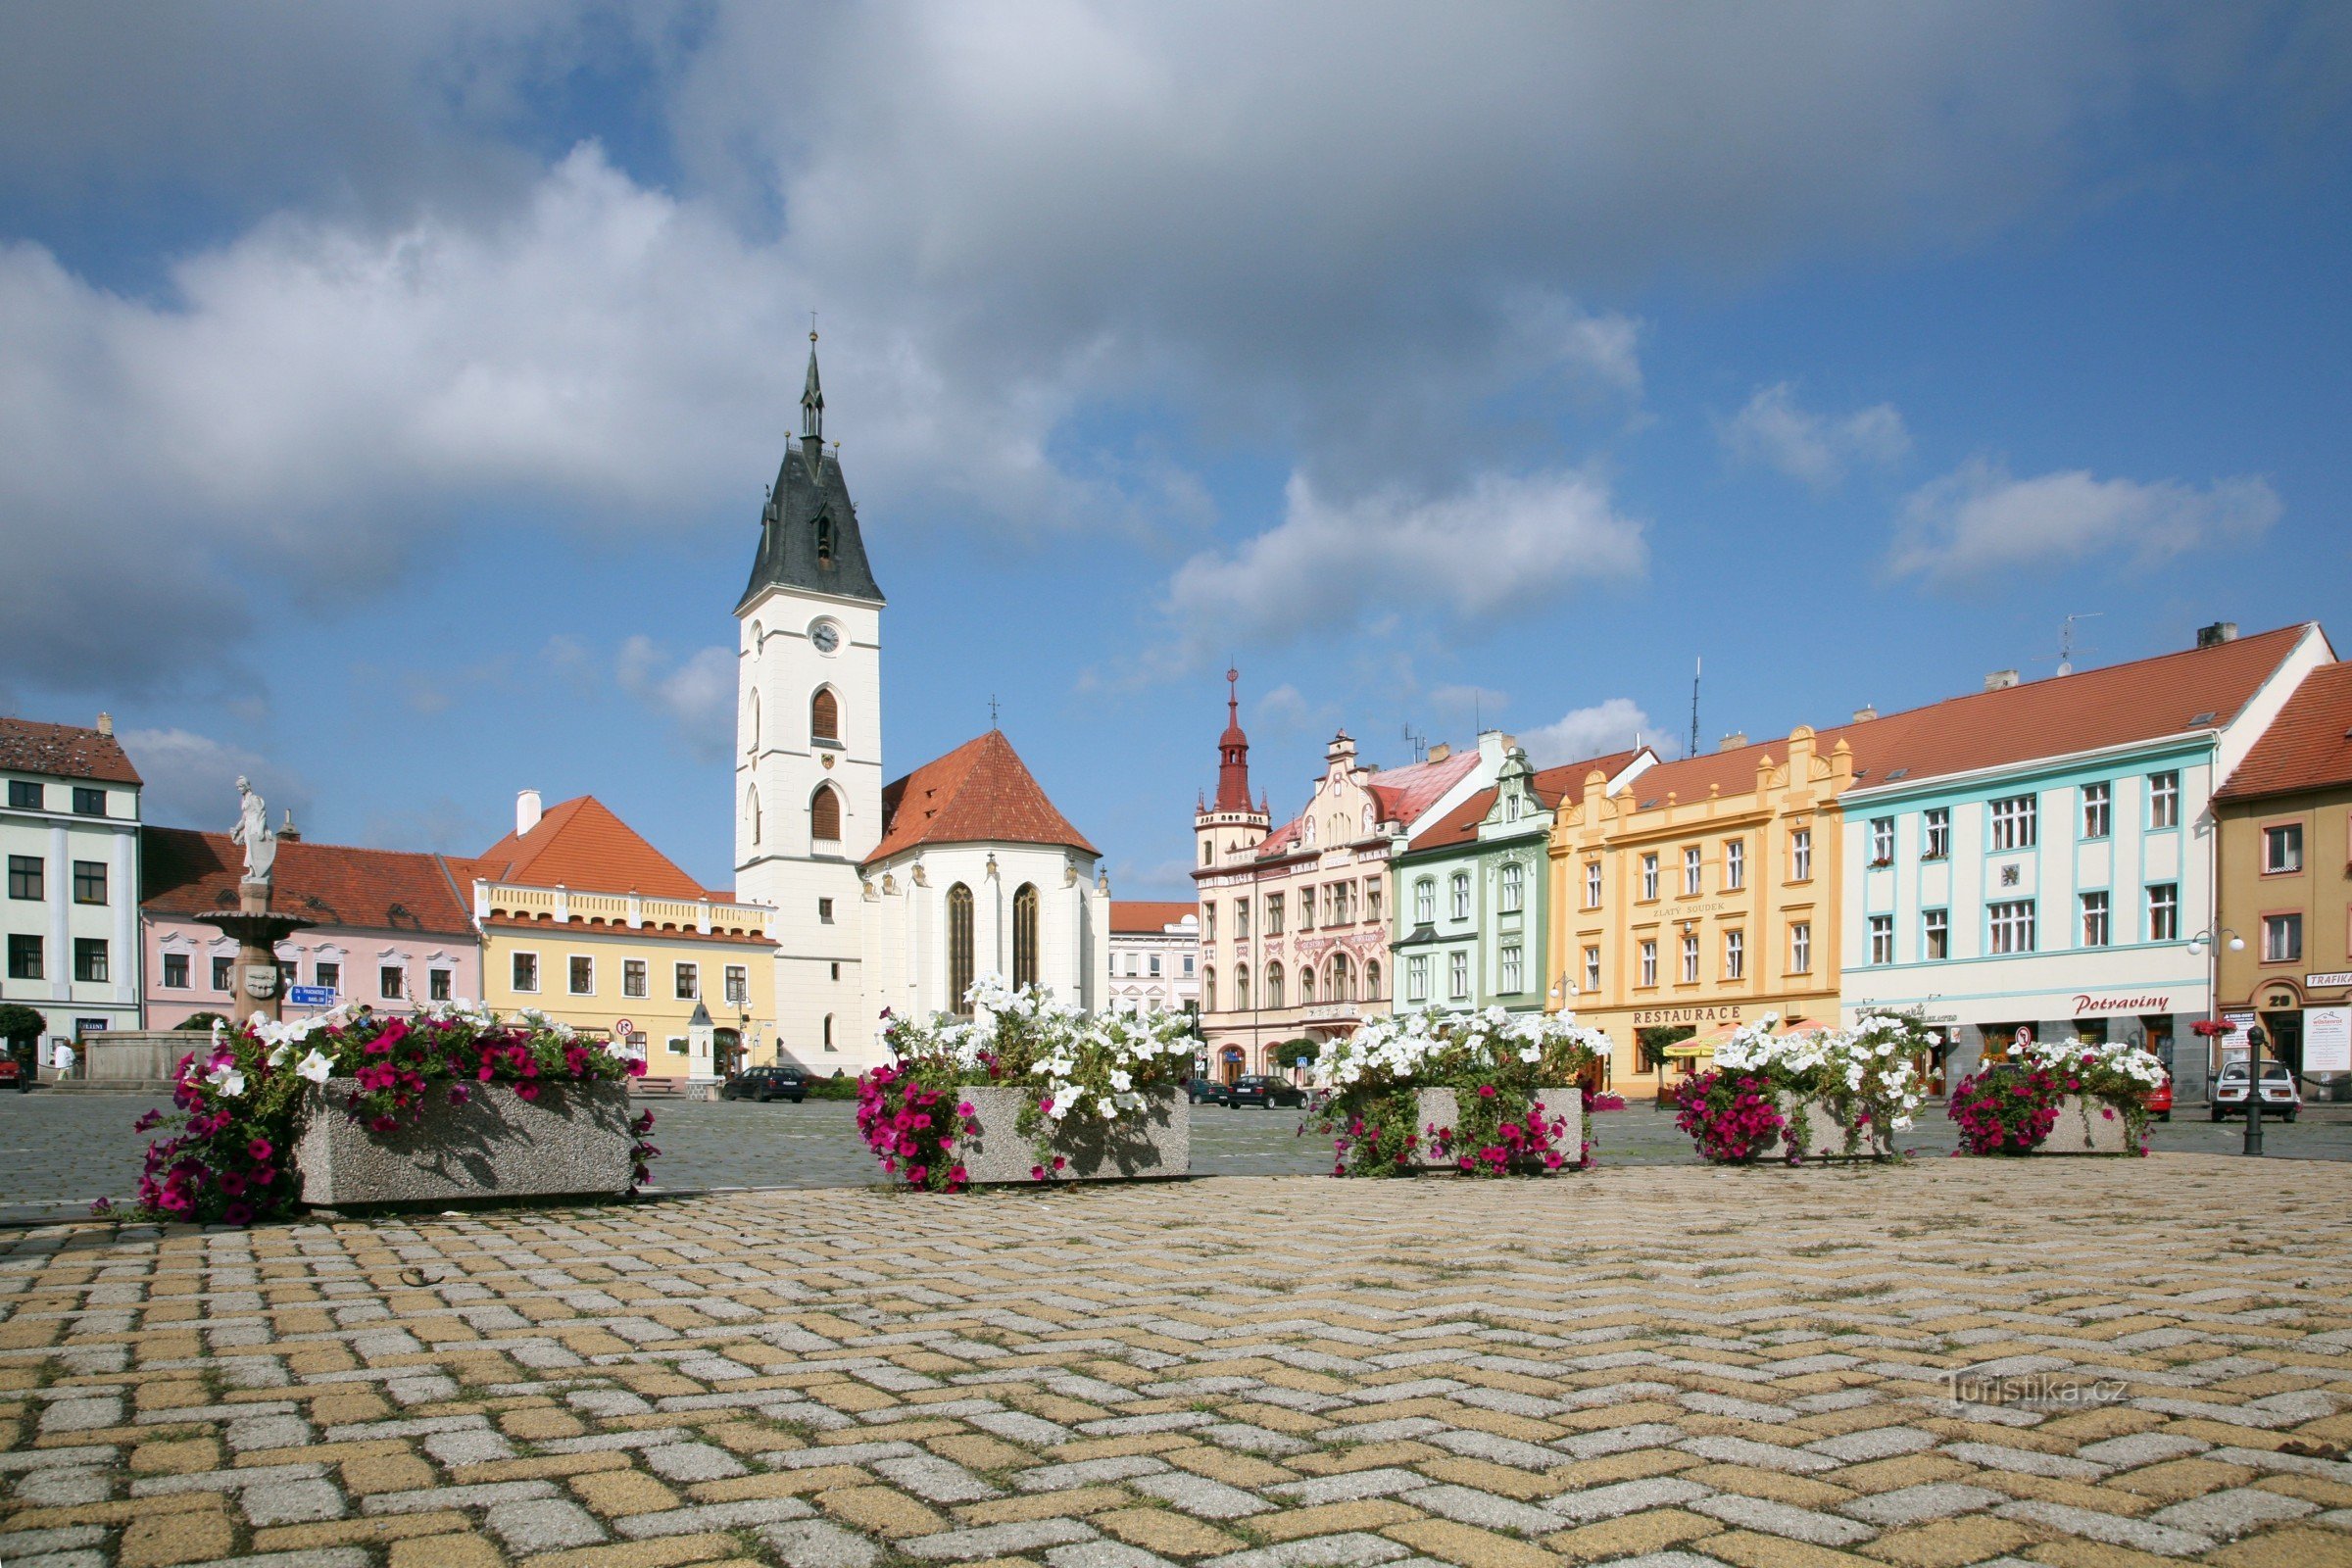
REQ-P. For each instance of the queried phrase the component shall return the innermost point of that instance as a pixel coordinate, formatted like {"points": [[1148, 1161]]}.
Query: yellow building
{"points": [[586, 922], [1704, 894]]}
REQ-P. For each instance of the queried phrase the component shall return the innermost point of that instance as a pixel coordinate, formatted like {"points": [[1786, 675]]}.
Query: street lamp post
{"points": [[2206, 945]]}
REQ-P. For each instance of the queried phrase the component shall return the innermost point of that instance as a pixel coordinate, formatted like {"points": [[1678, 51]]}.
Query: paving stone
{"points": [[1762, 1455], [1779, 1519], [1347, 1550], [542, 1525], [996, 1540], [286, 1502], [1200, 1496], [818, 1544], [1465, 1505], [692, 1461], [1625, 1497], [1104, 1554], [2228, 1515], [1877, 1443], [472, 1447], [2138, 1533], [1088, 1472], [435, 1499], [935, 1480], [712, 1516], [2025, 1461], [1935, 1499]]}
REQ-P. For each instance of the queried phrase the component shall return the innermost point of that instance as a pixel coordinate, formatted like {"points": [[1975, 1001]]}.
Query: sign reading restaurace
{"points": [[1654, 1017]]}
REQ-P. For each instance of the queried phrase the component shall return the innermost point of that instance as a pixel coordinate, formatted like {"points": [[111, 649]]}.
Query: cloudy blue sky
{"points": [[387, 393]]}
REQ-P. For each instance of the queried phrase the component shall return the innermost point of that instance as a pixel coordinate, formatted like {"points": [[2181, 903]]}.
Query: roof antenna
{"points": [[1418, 743], [2066, 640], [1696, 666]]}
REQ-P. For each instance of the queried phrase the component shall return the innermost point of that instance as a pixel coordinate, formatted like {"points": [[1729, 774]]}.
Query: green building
{"points": [[1470, 896]]}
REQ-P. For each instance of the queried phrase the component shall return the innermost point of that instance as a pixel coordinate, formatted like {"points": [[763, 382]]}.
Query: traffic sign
{"points": [[624, 1028], [311, 996]]}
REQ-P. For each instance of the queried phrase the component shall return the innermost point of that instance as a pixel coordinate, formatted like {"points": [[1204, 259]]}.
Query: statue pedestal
{"points": [[260, 985]]}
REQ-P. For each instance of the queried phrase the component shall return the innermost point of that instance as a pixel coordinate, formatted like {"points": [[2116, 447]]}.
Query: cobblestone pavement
{"points": [[58, 1152], [1677, 1367]]}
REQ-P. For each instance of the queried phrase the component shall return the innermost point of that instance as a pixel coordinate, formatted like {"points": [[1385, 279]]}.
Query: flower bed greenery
{"points": [[1072, 1064], [2006, 1109], [1866, 1077], [2009, 1108], [239, 1098], [1494, 1061]]}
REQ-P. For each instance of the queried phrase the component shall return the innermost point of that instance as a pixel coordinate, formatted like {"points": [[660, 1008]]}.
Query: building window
{"points": [[1801, 855], [1371, 980], [1649, 961], [1460, 964], [750, 811], [1801, 948], [2164, 800], [826, 1039], [1273, 918], [175, 971], [224, 973], [824, 815], [1417, 978], [1735, 954], [1935, 928], [2281, 939], [678, 1045], [2012, 926], [330, 975], [1425, 901], [1241, 919], [1208, 988], [1513, 966], [1024, 935], [824, 719], [1154, 966], [1882, 939], [2282, 854], [1372, 902], [391, 982], [689, 982], [2097, 812], [1689, 959], [90, 959], [1649, 877], [437, 985], [24, 957], [1241, 988], [583, 975], [1208, 922], [1735, 866], [1936, 840], [959, 946], [89, 881], [27, 878], [1457, 896], [2013, 822], [824, 911], [1690, 868], [527, 971], [1273, 982], [1514, 887], [24, 795], [89, 803], [1306, 984], [1882, 841], [1592, 969], [632, 977], [2094, 920], [2164, 912], [1591, 884]]}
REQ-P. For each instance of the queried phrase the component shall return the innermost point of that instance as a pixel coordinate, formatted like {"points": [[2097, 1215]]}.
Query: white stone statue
{"points": [[253, 831]]}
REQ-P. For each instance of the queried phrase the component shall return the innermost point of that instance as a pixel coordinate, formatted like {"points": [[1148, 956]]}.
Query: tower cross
{"points": [[992, 710]]}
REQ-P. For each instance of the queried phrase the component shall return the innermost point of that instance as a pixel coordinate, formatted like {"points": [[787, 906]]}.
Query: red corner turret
{"points": [[1233, 752]]}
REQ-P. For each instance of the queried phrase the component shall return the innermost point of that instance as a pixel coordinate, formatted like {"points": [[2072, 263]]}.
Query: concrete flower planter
{"points": [[2087, 1126], [573, 1140], [1158, 1144], [1439, 1108], [1825, 1133]]}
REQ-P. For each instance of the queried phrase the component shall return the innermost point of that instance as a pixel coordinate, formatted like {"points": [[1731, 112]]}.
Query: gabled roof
{"points": [[1460, 825], [979, 793], [1148, 917], [1402, 794], [581, 845], [63, 750], [2307, 746], [184, 872]]}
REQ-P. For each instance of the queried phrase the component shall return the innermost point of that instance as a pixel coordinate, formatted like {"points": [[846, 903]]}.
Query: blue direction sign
{"points": [[311, 996]]}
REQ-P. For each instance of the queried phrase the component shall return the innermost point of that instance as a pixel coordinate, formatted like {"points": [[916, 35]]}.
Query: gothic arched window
{"points": [[824, 815], [824, 716], [959, 946], [750, 811], [1024, 935], [750, 724]]}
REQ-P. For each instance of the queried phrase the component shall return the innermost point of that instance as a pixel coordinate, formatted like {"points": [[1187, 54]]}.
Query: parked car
{"points": [[2279, 1096], [1208, 1091], [2160, 1099], [13, 1074], [1262, 1090], [764, 1083]]}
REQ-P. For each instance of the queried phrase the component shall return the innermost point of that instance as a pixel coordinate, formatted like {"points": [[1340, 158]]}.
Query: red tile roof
{"points": [[580, 843], [188, 873], [2307, 746], [63, 750], [1147, 917], [1402, 794], [979, 793], [1460, 825]]}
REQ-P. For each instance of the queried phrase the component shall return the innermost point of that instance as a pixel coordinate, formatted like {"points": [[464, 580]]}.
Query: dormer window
{"points": [[824, 539]]}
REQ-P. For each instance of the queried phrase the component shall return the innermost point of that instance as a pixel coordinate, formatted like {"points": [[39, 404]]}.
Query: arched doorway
{"points": [[1230, 1061]]}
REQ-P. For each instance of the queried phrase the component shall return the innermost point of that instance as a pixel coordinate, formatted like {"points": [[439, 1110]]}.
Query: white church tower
{"points": [[809, 744]]}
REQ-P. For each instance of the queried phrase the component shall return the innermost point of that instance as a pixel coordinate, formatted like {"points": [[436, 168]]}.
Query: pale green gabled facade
{"points": [[1470, 898]]}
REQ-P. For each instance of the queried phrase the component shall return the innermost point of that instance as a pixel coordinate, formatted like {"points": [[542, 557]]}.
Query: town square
{"points": [[1070, 785]]}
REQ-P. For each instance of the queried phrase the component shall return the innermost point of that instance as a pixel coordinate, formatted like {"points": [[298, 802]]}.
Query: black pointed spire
{"points": [[808, 536], [812, 398]]}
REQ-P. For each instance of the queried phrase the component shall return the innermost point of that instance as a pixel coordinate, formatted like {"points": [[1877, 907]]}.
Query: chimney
{"points": [[1865, 714], [527, 812], [1733, 741], [289, 833], [1439, 752], [106, 721], [2220, 632], [2000, 681]]}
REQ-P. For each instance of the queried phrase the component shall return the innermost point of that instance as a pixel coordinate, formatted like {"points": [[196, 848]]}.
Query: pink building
{"points": [[389, 928]]}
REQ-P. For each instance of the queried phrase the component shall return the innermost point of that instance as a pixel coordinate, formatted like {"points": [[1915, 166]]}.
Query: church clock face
{"points": [[826, 636]]}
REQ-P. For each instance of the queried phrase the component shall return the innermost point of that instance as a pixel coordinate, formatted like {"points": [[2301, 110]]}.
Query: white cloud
{"points": [[1607, 726], [192, 780], [1814, 448], [1979, 521], [1502, 545], [695, 694]]}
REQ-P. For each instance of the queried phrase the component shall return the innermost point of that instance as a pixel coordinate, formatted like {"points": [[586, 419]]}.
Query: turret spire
{"points": [[812, 398], [1233, 752]]}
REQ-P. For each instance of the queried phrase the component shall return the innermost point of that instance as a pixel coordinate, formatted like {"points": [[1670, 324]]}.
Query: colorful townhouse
{"points": [[584, 920], [2040, 855], [389, 929], [1295, 921], [1701, 897], [2284, 920], [1154, 957], [1472, 895], [69, 838]]}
